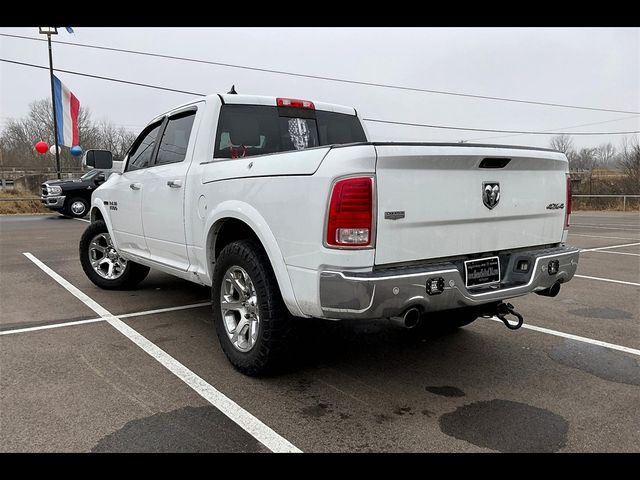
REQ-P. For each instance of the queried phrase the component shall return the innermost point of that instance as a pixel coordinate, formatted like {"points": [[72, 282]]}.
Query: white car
{"points": [[286, 210]]}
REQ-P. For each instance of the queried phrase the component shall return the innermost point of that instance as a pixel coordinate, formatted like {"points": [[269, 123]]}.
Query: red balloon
{"points": [[42, 147]]}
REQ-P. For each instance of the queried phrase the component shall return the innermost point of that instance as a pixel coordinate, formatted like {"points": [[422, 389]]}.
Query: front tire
{"points": [[102, 263], [250, 317], [76, 208]]}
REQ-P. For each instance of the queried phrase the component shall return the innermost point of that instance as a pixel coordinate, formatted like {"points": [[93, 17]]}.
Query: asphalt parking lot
{"points": [[83, 369]]}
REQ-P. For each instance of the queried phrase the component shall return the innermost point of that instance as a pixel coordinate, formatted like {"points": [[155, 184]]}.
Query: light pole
{"points": [[48, 31]]}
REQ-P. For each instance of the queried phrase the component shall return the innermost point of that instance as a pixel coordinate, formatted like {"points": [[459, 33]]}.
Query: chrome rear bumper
{"points": [[388, 293]]}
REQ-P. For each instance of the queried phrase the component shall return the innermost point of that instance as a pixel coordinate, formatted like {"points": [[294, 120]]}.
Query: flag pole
{"points": [[53, 103]]}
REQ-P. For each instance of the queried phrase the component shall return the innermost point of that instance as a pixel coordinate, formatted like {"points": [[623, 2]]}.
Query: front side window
{"points": [[175, 139], [140, 154], [248, 130]]}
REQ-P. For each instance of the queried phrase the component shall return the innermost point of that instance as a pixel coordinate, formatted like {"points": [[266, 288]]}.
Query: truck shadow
{"points": [[57, 217], [466, 382], [318, 343]]}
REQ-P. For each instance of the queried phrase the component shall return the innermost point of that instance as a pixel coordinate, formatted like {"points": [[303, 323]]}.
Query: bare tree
{"points": [[605, 154], [115, 139], [564, 144], [18, 138], [629, 163], [585, 160]]}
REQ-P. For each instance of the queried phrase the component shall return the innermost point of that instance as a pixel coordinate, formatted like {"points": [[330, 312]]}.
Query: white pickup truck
{"points": [[286, 210]]}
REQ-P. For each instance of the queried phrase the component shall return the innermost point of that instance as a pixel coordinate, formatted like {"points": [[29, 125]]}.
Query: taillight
{"points": [[350, 219], [293, 102], [567, 211]]}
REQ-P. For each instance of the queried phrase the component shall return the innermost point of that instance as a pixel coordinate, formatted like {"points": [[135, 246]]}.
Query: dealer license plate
{"points": [[482, 272]]}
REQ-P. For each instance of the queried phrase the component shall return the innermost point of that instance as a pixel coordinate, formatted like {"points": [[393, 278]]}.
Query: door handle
{"points": [[135, 186], [175, 183]]}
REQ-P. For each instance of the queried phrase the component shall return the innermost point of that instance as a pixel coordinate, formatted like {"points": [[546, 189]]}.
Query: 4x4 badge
{"points": [[397, 215], [490, 194]]}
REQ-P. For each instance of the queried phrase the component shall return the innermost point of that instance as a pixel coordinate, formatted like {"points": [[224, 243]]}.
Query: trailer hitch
{"points": [[504, 309], [501, 310]]}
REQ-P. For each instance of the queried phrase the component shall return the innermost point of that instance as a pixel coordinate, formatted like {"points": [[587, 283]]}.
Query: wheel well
{"points": [[226, 231], [96, 215], [80, 195]]}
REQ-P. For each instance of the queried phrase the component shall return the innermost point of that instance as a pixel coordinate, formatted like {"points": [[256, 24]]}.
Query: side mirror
{"points": [[100, 159]]}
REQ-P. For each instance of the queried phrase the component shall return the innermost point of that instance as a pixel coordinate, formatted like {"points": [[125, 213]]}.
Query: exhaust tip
{"points": [[551, 291], [411, 317]]}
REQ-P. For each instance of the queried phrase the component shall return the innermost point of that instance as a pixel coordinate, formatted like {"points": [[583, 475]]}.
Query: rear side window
{"points": [[338, 128], [140, 154], [248, 130], [175, 139]]}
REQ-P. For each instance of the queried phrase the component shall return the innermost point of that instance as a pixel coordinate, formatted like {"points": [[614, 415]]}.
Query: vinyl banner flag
{"points": [[67, 108]]}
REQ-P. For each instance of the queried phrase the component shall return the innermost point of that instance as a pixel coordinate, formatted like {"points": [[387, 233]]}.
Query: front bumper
{"points": [[53, 202], [388, 293]]}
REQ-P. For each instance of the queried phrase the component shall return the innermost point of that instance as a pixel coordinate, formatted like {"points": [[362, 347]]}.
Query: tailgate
{"points": [[440, 190]]}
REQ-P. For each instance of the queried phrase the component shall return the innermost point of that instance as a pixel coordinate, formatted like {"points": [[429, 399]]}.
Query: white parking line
{"points": [[607, 228], [608, 215], [617, 253], [612, 346], [607, 224], [608, 280], [610, 247], [261, 432], [94, 320], [599, 236], [82, 220], [53, 325], [163, 310]]}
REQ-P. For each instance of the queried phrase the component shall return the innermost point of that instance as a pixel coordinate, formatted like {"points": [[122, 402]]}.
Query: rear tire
{"points": [[126, 276], [246, 299]]}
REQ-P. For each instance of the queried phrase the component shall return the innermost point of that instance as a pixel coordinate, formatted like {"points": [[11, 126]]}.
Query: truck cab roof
{"points": [[236, 99], [272, 101]]}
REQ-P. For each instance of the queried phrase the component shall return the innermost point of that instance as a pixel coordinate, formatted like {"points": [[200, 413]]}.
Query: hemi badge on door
{"points": [[394, 215]]}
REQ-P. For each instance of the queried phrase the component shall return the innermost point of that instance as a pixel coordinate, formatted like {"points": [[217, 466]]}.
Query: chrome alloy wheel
{"points": [[104, 259], [239, 305], [78, 208]]}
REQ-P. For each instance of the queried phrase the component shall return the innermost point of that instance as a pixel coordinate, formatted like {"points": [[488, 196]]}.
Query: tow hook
{"points": [[504, 309]]}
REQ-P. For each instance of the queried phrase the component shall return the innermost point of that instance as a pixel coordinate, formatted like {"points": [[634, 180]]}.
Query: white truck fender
{"points": [[246, 213], [98, 203]]}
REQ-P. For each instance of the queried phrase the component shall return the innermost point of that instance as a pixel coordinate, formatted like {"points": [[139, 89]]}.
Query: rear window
{"points": [[248, 130]]}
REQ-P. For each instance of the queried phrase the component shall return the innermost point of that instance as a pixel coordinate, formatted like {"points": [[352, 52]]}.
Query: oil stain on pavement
{"points": [[506, 426], [599, 361], [188, 429]]}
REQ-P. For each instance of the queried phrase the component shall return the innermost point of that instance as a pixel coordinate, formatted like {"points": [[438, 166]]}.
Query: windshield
{"points": [[89, 175], [248, 130]]}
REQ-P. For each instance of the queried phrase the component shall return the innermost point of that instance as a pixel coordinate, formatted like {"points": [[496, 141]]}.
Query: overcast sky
{"points": [[596, 67]]}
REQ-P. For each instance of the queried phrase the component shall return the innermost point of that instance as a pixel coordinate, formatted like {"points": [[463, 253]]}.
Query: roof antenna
{"points": [[233, 90]]}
